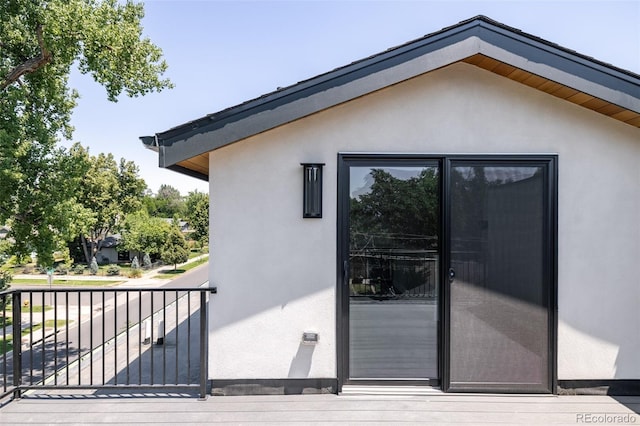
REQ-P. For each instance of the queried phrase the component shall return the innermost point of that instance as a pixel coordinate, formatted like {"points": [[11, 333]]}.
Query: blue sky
{"points": [[222, 53]]}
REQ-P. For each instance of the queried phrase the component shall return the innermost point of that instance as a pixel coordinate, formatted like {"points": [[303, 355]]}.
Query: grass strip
{"points": [[71, 283], [167, 274]]}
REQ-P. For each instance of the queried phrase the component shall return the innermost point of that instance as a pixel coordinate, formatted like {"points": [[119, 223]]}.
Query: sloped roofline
{"points": [[480, 34]]}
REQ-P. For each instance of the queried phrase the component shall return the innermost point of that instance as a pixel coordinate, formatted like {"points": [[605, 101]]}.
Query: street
{"points": [[93, 318]]}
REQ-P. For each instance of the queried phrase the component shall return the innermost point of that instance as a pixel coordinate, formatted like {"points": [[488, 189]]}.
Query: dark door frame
{"points": [[346, 160]]}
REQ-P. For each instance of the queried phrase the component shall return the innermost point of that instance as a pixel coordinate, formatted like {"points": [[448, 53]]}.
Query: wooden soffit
{"points": [[556, 89]]}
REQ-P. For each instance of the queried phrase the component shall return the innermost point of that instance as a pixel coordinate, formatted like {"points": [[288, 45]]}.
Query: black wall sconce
{"points": [[312, 196]]}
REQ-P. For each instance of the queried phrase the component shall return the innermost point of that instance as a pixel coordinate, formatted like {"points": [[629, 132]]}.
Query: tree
{"points": [[169, 203], [198, 215], [144, 234], [37, 198], [110, 192], [39, 43], [175, 250]]}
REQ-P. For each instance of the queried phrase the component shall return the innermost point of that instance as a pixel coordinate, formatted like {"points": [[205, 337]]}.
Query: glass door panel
{"points": [[393, 273], [499, 289]]}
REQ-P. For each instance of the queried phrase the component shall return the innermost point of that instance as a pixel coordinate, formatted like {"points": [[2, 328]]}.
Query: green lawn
{"points": [[27, 309], [43, 281], [167, 274], [48, 324], [6, 345]]}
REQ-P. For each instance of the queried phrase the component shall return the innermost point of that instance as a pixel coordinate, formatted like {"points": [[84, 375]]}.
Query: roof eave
{"points": [[479, 35]]}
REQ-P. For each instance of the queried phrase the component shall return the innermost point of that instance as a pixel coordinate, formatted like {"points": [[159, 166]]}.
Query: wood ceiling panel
{"points": [[625, 115], [610, 109], [504, 69], [535, 81], [580, 98], [519, 75], [595, 103], [549, 86], [634, 121], [199, 163], [564, 92]]}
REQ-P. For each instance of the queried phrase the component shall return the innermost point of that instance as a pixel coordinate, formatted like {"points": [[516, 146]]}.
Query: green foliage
{"points": [[166, 203], [5, 279], [39, 199], [198, 215], [5, 251], [39, 43], [135, 273], [93, 266], [62, 269], [144, 234], [110, 192], [175, 249], [146, 261], [134, 263], [113, 270]]}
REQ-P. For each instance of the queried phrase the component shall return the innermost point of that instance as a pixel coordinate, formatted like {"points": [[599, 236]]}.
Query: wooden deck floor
{"points": [[103, 408]]}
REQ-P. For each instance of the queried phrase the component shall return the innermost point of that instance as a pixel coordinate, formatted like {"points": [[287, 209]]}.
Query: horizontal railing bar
{"points": [[109, 290], [107, 386]]}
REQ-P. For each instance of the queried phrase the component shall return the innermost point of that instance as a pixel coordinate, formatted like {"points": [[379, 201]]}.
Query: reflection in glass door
{"points": [[393, 255]]}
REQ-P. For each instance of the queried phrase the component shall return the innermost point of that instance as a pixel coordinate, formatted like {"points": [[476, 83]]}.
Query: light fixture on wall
{"points": [[312, 195]]}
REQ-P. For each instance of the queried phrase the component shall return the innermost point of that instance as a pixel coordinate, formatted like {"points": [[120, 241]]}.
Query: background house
{"points": [[525, 153], [4, 231]]}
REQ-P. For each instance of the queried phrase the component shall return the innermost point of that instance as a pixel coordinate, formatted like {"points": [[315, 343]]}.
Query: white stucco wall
{"points": [[276, 272]]}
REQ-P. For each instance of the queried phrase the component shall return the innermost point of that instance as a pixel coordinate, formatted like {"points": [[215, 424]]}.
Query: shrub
{"points": [[62, 269], [113, 270], [5, 279], [27, 270], [134, 263], [146, 261], [78, 269], [135, 273], [93, 267]]}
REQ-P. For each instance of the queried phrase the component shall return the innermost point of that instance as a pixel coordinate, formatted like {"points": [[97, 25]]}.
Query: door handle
{"points": [[452, 274], [345, 273]]}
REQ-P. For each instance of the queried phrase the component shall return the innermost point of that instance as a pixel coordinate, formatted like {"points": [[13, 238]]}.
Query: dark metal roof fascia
{"points": [[319, 83], [150, 142], [538, 50], [510, 39]]}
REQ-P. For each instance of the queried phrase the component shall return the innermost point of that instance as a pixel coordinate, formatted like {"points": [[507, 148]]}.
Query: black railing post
{"points": [[203, 345], [17, 343]]}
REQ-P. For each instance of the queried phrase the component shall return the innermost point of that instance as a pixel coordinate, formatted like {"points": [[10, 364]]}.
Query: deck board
{"points": [[103, 409]]}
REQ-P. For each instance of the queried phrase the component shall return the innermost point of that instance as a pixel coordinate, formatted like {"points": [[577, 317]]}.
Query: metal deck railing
{"points": [[134, 338]]}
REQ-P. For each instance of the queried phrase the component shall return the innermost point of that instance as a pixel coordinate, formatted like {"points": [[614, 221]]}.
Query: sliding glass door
{"points": [[446, 269]]}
